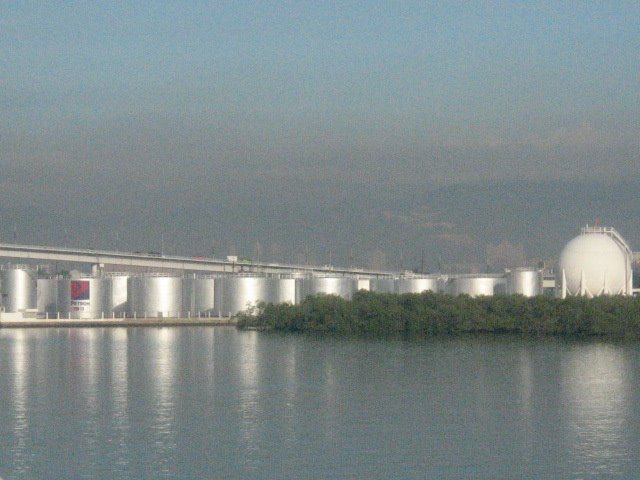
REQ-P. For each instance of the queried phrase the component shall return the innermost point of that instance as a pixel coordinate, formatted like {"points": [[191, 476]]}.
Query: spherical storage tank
{"points": [[155, 296], [596, 262], [18, 289]]}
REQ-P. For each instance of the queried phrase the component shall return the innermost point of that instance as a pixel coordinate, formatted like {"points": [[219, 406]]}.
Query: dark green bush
{"points": [[428, 313]]}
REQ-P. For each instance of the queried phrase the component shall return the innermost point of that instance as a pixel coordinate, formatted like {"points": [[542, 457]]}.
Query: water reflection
{"points": [[596, 397], [249, 392], [87, 364], [198, 403], [164, 366], [119, 382], [21, 370]]}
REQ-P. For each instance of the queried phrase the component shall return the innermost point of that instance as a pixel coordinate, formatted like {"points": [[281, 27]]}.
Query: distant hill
{"points": [[333, 221]]}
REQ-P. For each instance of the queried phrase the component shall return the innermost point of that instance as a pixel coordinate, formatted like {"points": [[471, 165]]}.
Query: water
{"points": [[218, 403]]}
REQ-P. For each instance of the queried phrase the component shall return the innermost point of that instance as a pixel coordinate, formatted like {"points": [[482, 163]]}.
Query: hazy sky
{"points": [[113, 112]]}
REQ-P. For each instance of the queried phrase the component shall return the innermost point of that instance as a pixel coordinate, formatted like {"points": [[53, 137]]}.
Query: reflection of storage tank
{"points": [[235, 294], [155, 296], [416, 284], [383, 285], [198, 295], [524, 281], [476, 285], [596, 262], [18, 288], [342, 286]]}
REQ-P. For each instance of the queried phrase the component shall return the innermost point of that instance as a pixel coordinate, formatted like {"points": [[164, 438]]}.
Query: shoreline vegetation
{"points": [[428, 314]]}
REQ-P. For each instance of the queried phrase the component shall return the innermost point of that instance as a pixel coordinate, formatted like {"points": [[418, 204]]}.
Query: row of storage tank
{"points": [[119, 295]]}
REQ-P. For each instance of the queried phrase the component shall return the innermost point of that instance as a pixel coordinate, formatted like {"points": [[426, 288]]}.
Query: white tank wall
{"points": [[383, 285], [63, 297], [198, 296], [119, 294], [416, 284], [155, 296], [476, 286], [283, 290], [18, 287], [47, 296], [527, 282], [100, 299], [237, 294], [344, 287], [363, 284]]}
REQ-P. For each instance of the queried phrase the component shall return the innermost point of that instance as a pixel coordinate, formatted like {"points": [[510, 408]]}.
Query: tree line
{"points": [[428, 313]]}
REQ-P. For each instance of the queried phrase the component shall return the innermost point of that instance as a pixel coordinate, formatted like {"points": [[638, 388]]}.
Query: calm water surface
{"points": [[218, 403]]}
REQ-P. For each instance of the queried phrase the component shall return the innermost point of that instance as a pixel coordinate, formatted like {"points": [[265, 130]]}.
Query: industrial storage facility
{"points": [[596, 262]]}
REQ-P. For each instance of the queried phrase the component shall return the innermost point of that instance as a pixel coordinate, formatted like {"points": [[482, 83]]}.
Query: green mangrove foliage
{"points": [[428, 313]]}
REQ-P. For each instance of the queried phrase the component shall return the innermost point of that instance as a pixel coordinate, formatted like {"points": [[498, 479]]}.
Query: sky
{"points": [[227, 126]]}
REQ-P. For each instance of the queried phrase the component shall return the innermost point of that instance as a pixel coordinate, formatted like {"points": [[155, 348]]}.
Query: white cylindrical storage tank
{"points": [[597, 262], [234, 294], [90, 297], [476, 285], [363, 284], [524, 281], [383, 285], [416, 284], [47, 296], [155, 296], [343, 287], [18, 286], [198, 295], [282, 290], [63, 306], [119, 293]]}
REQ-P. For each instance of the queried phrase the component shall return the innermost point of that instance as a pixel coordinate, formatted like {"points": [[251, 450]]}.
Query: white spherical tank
{"points": [[597, 262]]}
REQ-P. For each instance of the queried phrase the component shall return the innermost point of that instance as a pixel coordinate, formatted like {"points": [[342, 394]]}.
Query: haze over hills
{"points": [[462, 227]]}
